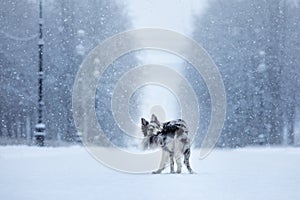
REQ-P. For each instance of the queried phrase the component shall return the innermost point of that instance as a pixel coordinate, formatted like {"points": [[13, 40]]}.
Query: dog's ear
{"points": [[154, 119], [144, 122]]}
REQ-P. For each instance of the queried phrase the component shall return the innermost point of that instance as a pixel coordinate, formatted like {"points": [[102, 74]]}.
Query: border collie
{"points": [[172, 137]]}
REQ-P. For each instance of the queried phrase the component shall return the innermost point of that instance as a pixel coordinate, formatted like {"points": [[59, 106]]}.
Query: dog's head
{"points": [[152, 127], [150, 131]]}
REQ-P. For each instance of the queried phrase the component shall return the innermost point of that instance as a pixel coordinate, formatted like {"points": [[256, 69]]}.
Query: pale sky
{"points": [[169, 14], [174, 15]]}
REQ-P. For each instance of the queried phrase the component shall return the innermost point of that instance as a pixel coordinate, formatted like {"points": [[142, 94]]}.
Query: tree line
{"points": [[71, 29], [255, 45]]}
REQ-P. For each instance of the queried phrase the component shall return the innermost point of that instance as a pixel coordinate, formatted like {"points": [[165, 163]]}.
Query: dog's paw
{"points": [[156, 172]]}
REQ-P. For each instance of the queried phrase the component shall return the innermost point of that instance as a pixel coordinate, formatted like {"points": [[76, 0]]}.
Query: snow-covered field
{"points": [[71, 173]]}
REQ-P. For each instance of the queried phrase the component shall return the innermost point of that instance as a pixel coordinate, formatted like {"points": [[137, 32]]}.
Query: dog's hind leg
{"points": [[187, 154], [178, 155]]}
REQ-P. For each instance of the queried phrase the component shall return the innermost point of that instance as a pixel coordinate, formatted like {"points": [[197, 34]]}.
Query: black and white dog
{"points": [[172, 137]]}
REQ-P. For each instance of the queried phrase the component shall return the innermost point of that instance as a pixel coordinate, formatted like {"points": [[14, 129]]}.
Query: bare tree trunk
{"points": [[291, 111], [275, 49], [28, 130]]}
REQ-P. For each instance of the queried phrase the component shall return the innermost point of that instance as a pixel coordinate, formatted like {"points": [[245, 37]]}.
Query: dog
{"points": [[172, 137]]}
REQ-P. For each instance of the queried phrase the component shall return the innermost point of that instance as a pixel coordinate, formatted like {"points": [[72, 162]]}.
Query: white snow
{"points": [[71, 173], [40, 126], [262, 67]]}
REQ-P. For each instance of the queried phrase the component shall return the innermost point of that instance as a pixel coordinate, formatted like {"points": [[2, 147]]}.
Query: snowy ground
{"points": [[71, 173]]}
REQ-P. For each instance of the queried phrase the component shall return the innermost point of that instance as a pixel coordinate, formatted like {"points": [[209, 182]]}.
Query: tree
{"points": [[18, 41], [248, 41], [64, 22]]}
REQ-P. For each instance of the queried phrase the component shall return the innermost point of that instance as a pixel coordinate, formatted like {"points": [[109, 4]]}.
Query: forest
{"points": [[255, 45]]}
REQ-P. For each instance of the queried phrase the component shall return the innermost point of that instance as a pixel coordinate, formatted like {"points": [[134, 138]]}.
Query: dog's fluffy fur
{"points": [[172, 137]]}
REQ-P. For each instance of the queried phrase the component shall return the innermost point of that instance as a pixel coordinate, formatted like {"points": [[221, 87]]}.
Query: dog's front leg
{"points": [[171, 154], [162, 164], [178, 162]]}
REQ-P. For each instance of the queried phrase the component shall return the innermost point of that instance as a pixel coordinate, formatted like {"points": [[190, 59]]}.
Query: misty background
{"points": [[255, 45]]}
